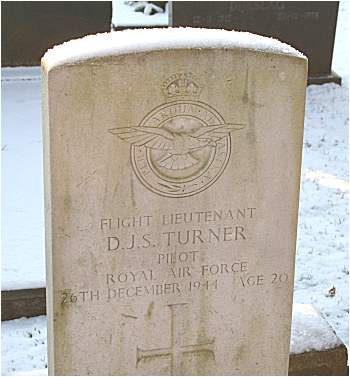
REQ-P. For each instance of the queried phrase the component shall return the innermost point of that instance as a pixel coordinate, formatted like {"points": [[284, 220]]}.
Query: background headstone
{"points": [[29, 28], [172, 186], [309, 26]]}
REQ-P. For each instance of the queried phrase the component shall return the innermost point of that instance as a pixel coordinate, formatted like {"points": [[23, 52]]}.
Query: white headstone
{"points": [[172, 164]]}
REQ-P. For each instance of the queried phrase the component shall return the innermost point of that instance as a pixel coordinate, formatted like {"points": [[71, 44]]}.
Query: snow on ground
{"points": [[24, 350], [24, 345], [322, 245], [22, 210]]}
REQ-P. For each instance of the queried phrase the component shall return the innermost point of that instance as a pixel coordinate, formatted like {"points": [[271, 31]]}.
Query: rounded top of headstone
{"points": [[143, 40]]}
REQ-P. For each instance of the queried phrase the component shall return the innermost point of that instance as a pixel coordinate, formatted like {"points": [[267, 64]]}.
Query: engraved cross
{"points": [[176, 348]]}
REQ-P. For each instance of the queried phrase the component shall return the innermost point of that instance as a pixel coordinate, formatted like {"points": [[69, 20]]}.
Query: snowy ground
{"points": [[25, 345], [22, 210], [322, 248]]}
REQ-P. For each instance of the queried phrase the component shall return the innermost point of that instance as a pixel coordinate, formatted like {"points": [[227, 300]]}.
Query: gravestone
{"points": [[29, 28], [172, 179], [308, 26]]}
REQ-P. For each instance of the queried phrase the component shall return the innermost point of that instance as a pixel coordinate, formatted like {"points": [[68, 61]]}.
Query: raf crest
{"points": [[183, 146]]}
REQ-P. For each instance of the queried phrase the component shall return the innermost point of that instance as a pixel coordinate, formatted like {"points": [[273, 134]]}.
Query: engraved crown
{"points": [[181, 86]]}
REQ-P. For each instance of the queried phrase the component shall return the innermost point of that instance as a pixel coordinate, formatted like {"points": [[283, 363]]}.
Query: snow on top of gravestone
{"points": [[142, 40]]}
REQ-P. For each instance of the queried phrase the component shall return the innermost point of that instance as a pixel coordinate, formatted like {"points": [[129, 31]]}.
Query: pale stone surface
{"points": [[172, 183]]}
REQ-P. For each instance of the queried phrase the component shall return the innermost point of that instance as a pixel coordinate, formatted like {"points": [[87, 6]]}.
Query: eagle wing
{"points": [[150, 137], [215, 133]]}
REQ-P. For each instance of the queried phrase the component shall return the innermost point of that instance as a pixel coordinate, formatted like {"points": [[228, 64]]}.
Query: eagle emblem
{"points": [[179, 145], [183, 146]]}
